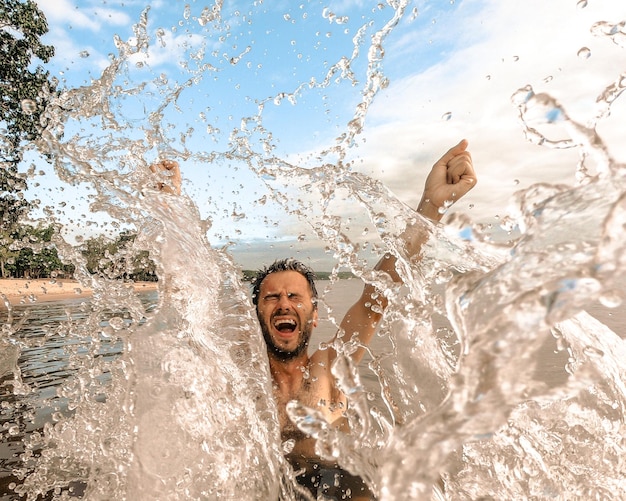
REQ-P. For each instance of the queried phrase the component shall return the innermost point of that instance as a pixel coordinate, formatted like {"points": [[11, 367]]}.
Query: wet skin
{"points": [[288, 315]]}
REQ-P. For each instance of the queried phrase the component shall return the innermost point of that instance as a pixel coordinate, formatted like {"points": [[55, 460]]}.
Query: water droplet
{"points": [[28, 106], [610, 299], [288, 445], [581, 4], [444, 276], [584, 53], [116, 323], [554, 115], [83, 53], [155, 391], [446, 205], [466, 233], [523, 95], [237, 216], [446, 116], [593, 352], [107, 332]]}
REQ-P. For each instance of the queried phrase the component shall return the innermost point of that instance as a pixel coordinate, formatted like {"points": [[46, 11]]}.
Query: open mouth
{"points": [[285, 325]]}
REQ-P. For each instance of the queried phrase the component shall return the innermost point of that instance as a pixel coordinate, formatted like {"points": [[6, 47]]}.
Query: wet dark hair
{"points": [[284, 265]]}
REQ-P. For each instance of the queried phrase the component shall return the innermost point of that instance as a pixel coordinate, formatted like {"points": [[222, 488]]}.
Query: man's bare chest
{"points": [[315, 391]]}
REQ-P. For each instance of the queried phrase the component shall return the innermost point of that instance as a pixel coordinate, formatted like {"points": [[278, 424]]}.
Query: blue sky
{"points": [[449, 67]]}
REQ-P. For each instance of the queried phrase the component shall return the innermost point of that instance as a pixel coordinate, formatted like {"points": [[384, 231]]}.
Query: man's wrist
{"points": [[428, 209]]}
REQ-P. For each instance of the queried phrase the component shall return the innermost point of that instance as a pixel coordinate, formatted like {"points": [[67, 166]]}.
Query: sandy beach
{"points": [[18, 291]]}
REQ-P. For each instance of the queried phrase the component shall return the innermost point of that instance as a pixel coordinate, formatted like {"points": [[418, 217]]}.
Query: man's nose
{"points": [[283, 302]]}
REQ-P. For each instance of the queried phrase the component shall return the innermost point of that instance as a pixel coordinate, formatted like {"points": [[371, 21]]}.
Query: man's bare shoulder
{"points": [[322, 359], [323, 384]]}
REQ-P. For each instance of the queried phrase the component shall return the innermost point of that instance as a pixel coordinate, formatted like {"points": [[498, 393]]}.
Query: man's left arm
{"points": [[451, 177]]}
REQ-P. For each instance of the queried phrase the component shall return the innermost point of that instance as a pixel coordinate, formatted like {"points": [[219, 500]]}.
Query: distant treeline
{"points": [[31, 252]]}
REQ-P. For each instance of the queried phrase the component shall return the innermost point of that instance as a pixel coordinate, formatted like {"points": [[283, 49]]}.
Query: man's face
{"points": [[286, 313]]}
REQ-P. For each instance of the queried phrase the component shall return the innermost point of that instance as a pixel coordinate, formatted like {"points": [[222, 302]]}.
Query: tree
{"points": [[119, 258], [31, 254], [144, 268], [7, 253], [24, 94]]}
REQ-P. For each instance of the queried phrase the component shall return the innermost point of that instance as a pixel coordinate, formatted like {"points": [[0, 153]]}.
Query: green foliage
{"points": [[248, 275], [28, 252], [25, 91], [119, 258], [11, 208]]}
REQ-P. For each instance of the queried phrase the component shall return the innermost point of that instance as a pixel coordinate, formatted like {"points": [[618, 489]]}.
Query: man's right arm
{"points": [[174, 179]]}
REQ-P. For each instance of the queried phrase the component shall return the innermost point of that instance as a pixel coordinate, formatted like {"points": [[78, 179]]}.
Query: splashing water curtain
{"points": [[171, 398]]}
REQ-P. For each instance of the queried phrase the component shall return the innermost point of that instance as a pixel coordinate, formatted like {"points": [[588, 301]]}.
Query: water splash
{"points": [[192, 370]]}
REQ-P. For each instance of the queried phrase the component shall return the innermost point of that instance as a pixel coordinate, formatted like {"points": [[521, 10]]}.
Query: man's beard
{"points": [[285, 355]]}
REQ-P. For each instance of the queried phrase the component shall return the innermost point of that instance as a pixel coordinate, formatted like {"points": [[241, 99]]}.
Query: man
{"points": [[285, 298]]}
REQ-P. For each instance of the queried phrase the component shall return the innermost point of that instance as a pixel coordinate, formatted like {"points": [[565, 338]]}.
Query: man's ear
{"points": [[315, 317]]}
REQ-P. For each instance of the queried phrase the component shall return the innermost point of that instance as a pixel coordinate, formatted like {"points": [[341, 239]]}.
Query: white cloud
{"points": [[113, 17], [169, 49], [73, 31], [68, 15], [535, 43], [63, 13]]}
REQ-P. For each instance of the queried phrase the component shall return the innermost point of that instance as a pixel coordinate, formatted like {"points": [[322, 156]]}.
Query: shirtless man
{"points": [[285, 298]]}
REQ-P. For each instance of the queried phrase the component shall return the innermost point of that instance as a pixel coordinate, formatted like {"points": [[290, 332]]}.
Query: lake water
{"points": [[47, 347], [52, 343], [551, 359]]}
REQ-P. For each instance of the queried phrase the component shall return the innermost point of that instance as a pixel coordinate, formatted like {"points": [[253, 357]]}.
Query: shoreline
{"points": [[22, 291]]}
